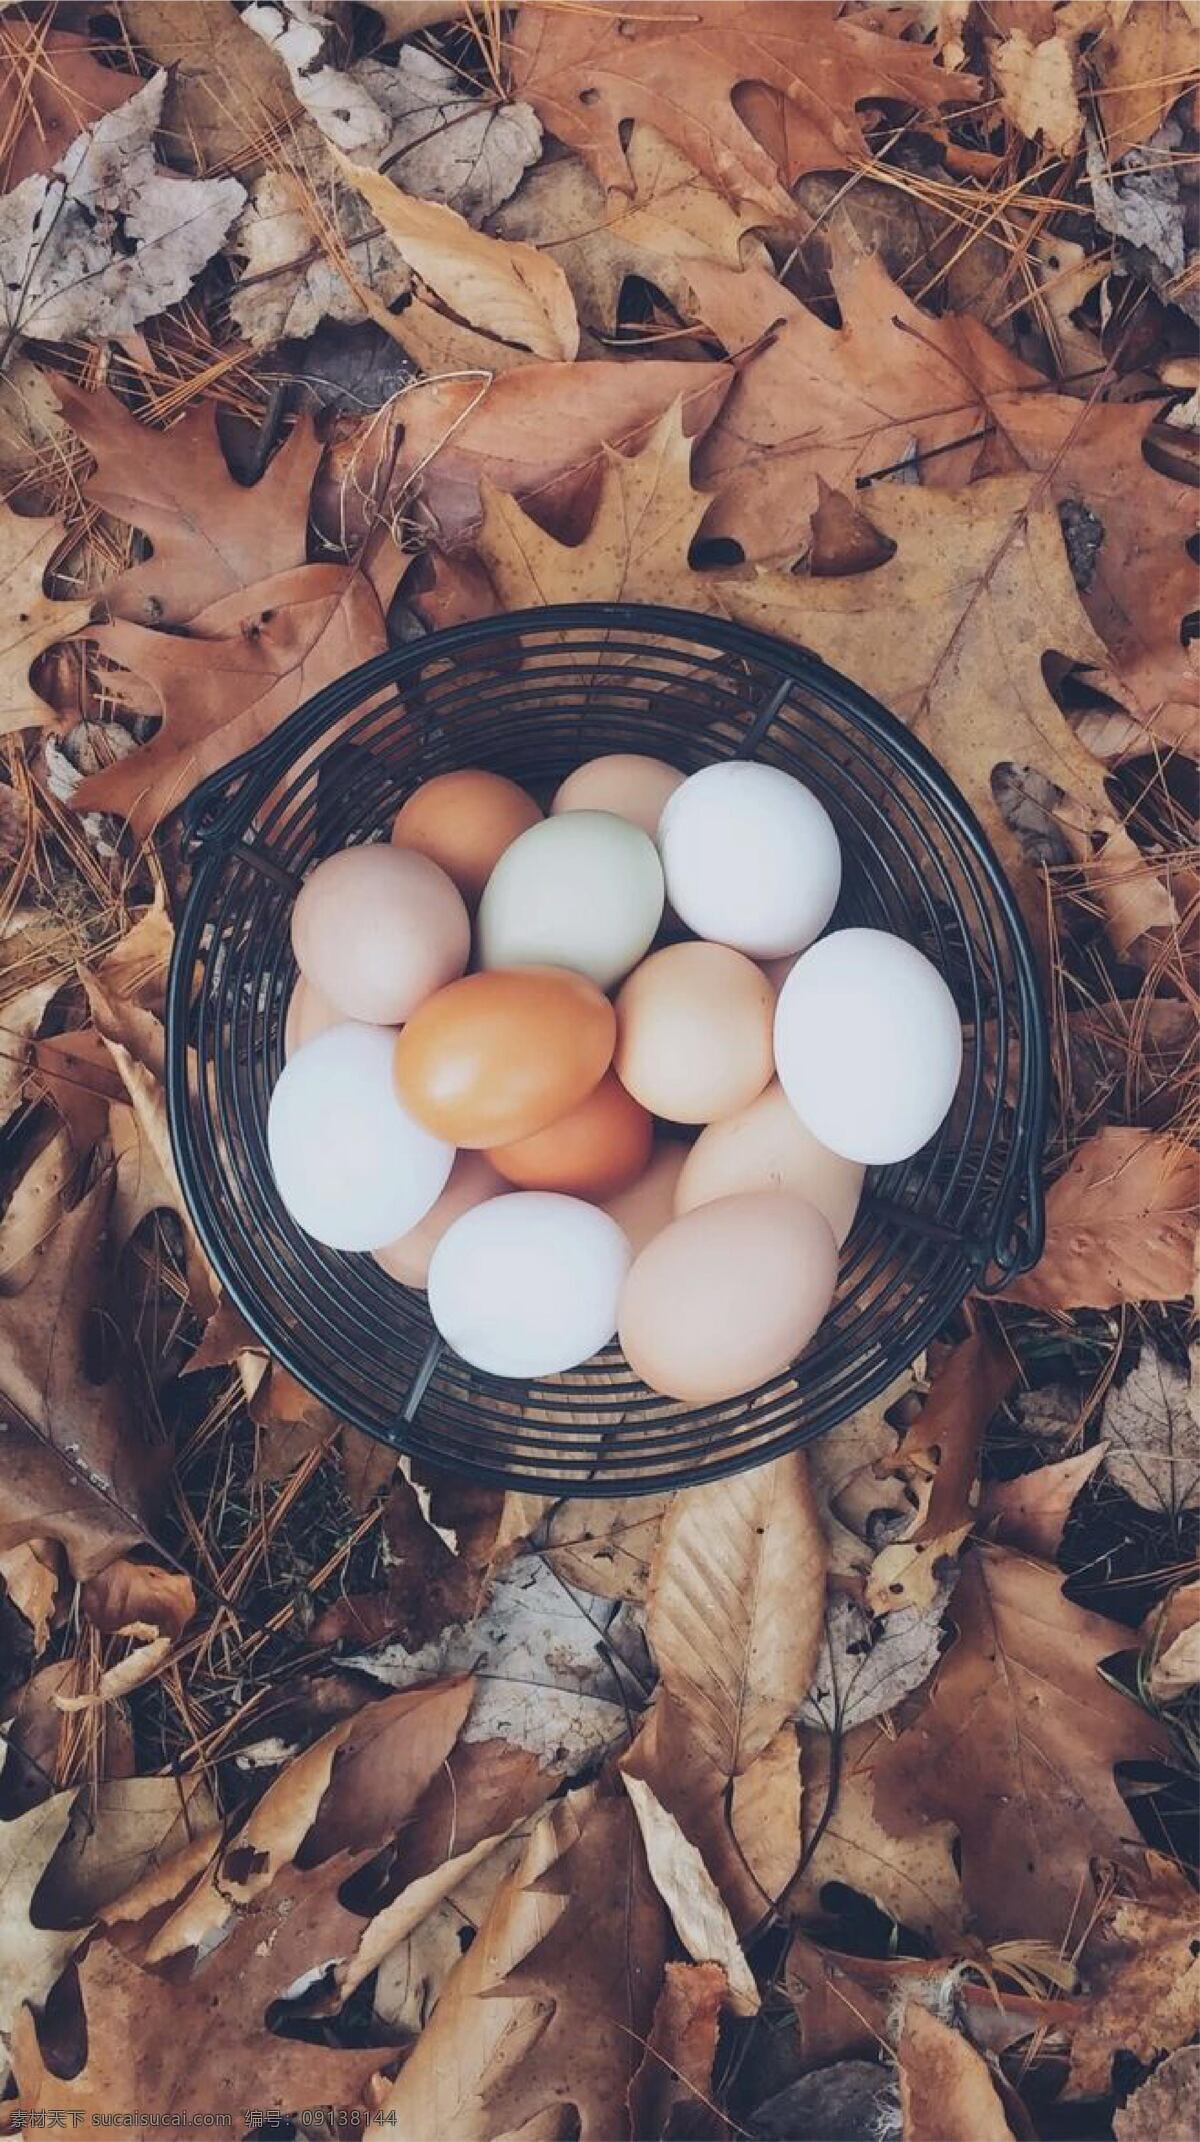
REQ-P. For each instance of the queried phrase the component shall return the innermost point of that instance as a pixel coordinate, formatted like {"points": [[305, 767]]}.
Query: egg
{"points": [[694, 1032], [625, 783], [377, 930], [593, 1151], [472, 1181], [464, 822], [583, 890], [352, 1167], [767, 1147], [648, 1205], [727, 1296], [528, 1285], [308, 1014], [868, 1045], [751, 858], [496, 1057]]}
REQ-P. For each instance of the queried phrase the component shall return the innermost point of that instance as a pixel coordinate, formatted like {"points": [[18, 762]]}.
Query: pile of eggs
{"points": [[514, 1138]]}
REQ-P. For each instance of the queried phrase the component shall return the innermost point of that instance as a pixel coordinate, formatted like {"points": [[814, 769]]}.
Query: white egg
{"points": [[868, 1045], [528, 1285], [583, 890], [750, 858], [352, 1167]]}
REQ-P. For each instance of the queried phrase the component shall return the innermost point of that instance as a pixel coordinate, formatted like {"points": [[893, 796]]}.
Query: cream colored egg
{"points": [[767, 1147], [377, 930], [694, 1032], [308, 1014], [648, 1205], [625, 783]]}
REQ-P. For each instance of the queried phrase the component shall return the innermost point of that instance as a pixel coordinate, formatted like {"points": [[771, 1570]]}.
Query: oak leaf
{"points": [[52, 86], [1141, 1975], [31, 1956], [1120, 1225], [913, 1879], [122, 1831], [33, 619], [1145, 58], [247, 663], [587, 74], [1016, 1746], [946, 2091], [211, 535], [1031, 1511], [1152, 1425]]}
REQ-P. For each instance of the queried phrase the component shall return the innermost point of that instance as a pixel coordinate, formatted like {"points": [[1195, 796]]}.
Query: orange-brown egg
{"points": [[498, 1056], [648, 1205], [464, 821], [726, 1297], [593, 1151], [308, 1014], [694, 1032], [473, 1180]]}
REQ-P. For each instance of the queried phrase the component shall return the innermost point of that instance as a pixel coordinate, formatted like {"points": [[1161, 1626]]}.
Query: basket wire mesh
{"points": [[532, 696]]}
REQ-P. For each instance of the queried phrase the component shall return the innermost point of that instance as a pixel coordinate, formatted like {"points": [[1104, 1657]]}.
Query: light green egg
{"points": [[583, 891]]}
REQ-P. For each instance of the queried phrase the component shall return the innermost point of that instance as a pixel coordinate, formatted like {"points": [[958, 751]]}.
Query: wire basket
{"points": [[532, 696]]}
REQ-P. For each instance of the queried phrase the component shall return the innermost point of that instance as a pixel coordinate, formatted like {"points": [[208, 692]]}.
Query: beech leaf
{"points": [[690, 1895]]}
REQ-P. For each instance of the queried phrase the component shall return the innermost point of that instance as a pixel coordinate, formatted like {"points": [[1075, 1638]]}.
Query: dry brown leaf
{"points": [[138, 1591], [914, 1879], [1152, 1424], [19, 1022], [1145, 60], [1141, 1975], [292, 275], [31, 1957], [1120, 1225], [120, 1679], [1164, 2106], [940, 1451], [75, 1467], [212, 536], [40, 1197], [510, 290], [226, 94], [1035, 83], [687, 1889], [1031, 1511], [599, 239], [1016, 1746], [123, 1833], [52, 86], [851, 1481], [1172, 1633], [33, 620], [678, 2064], [868, 1663], [30, 1576], [606, 1546], [764, 1815], [248, 662], [946, 2091], [587, 73]]}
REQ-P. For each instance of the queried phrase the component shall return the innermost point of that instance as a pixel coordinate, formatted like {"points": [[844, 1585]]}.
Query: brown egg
{"points": [[378, 930], [726, 1297], [308, 1014], [464, 822], [473, 1180], [498, 1056], [593, 1151], [648, 1205], [767, 1147], [624, 783], [694, 1032]]}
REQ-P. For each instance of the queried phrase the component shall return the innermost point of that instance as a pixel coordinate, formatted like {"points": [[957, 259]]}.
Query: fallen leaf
{"points": [[845, 2005], [585, 75], [853, 1487], [51, 88], [19, 1022], [121, 1833], [1173, 1635], [1144, 59], [120, 1679], [61, 274], [511, 290], [75, 1469], [1035, 82], [599, 239], [1141, 1976], [914, 1880], [946, 2091], [835, 402], [34, 621], [1151, 1423], [224, 89], [764, 1817], [296, 272], [1016, 1746], [445, 143], [211, 536], [867, 1665], [248, 662], [422, 1933], [1119, 1225], [687, 1889], [30, 1576], [1164, 2105], [606, 1546], [677, 2069], [1031, 1511], [31, 1957], [138, 1591], [1140, 200]]}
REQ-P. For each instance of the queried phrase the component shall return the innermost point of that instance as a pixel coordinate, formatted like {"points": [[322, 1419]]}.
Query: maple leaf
{"points": [[247, 663], [52, 86], [74, 1468], [33, 620], [587, 74], [671, 217], [1016, 1746], [211, 535], [835, 402], [1120, 1225]]}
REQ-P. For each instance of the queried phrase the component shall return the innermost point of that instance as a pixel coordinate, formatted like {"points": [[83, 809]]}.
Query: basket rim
{"points": [[222, 807]]}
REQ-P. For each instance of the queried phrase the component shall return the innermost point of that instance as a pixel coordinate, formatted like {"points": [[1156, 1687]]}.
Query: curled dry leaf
{"points": [[34, 621], [1152, 1425], [687, 1889], [120, 1679], [946, 2090], [1031, 1512], [1120, 1225], [1141, 1974], [138, 1592], [1173, 1635], [63, 271]]}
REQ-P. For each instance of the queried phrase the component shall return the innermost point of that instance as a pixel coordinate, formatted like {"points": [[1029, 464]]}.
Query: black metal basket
{"points": [[532, 696]]}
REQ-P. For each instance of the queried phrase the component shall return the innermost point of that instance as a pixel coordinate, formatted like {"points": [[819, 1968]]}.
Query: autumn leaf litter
{"points": [[852, 1795]]}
